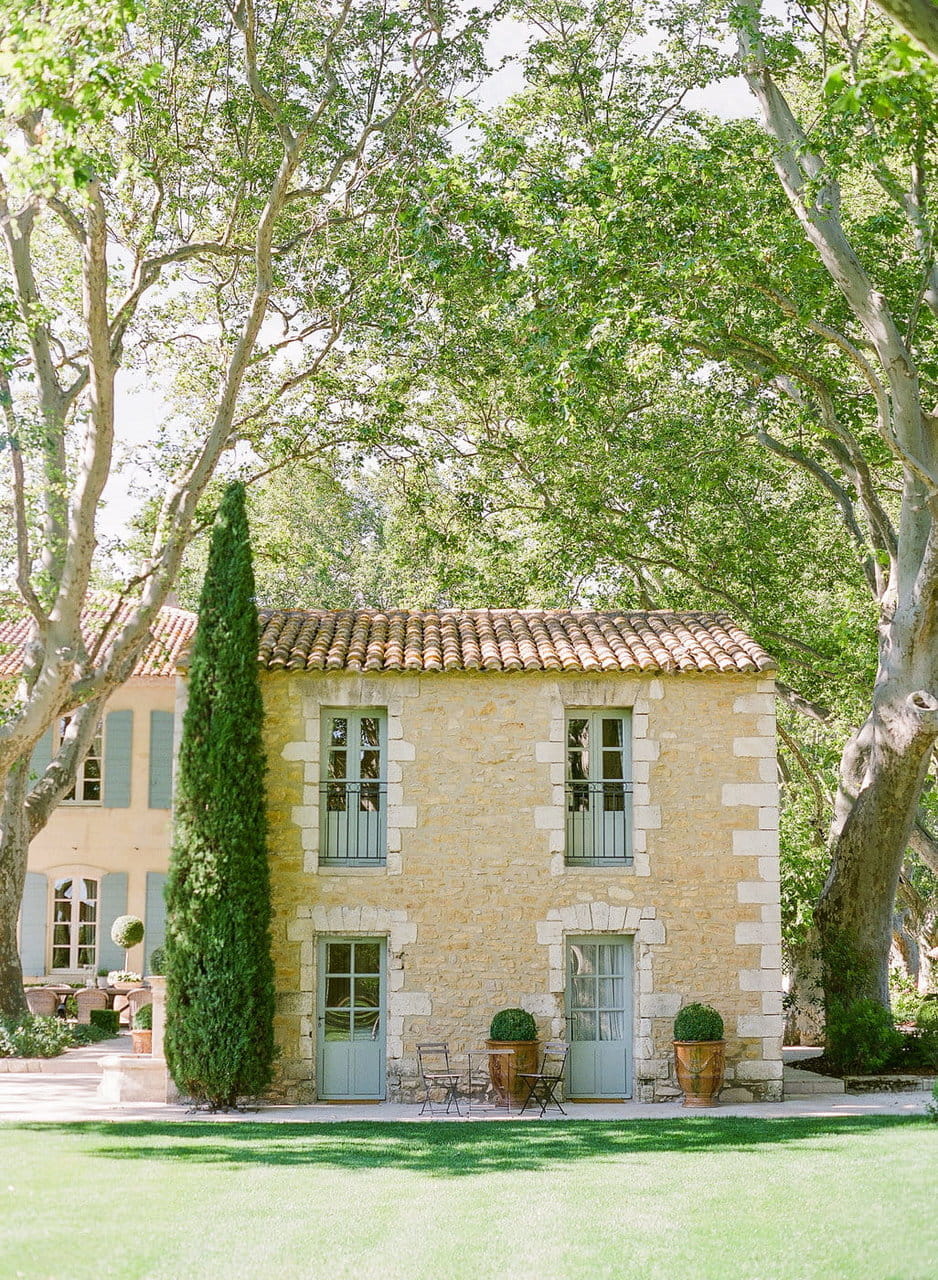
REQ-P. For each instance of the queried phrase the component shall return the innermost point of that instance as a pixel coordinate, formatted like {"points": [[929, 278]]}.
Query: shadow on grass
{"points": [[452, 1150]]}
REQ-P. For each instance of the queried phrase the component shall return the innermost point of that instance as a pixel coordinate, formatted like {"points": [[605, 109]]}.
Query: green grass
{"points": [[841, 1199]]}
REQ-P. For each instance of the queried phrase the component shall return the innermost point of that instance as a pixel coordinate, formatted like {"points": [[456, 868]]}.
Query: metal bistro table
{"points": [[490, 1104]]}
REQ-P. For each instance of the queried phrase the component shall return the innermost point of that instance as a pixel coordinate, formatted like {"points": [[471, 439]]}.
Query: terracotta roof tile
{"points": [[171, 635], [505, 640]]}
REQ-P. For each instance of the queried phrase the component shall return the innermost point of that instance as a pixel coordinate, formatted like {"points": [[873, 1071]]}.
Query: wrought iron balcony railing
{"points": [[353, 822], [599, 823]]}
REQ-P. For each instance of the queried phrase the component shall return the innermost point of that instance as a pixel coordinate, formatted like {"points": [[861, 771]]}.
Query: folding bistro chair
{"points": [[435, 1073], [541, 1085]]}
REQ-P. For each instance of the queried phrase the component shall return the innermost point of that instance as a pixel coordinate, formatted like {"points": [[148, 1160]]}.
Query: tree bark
{"points": [[871, 833], [14, 850]]}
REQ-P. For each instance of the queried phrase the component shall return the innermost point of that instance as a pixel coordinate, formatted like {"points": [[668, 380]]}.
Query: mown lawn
{"points": [[844, 1199]]}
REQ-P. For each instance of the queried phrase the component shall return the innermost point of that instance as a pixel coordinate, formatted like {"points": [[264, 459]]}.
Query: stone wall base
{"points": [[140, 1078]]}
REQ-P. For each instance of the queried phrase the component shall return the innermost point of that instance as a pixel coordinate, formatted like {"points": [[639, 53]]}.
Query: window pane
{"points": [[63, 888], [338, 764], [63, 911], [583, 957], [365, 1024], [612, 1025], [369, 731], [367, 992], [60, 958], [338, 992], [86, 935], [89, 890], [583, 992], [339, 731], [578, 733], [85, 956], [612, 764], [611, 993], [91, 789], [369, 797], [339, 957], [578, 798], [371, 764], [87, 912], [60, 934], [584, 1026], [92, 767], [613, 797], [612, 732], [337, 1024], [335, 797], [367, 957]]}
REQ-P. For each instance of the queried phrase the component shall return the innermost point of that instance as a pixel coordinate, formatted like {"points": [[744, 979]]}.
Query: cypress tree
{"points": [[219, 974]]}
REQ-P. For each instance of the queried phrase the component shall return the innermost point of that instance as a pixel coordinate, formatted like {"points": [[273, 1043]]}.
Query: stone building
{"points": [[105, 849], [571, 812]]}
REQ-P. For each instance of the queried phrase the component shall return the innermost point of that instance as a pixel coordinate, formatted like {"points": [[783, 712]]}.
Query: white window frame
{"points": [[56, 876], [595, 835], [83, 781]]}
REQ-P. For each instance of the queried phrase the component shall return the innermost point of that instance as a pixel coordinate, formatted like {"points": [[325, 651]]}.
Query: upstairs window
{"points": [[353, 788], [89, 776], [599, 788]]}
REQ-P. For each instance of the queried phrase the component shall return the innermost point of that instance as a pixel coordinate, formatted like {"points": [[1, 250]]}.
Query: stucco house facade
{"points": [[572, 812], [105, 849]]}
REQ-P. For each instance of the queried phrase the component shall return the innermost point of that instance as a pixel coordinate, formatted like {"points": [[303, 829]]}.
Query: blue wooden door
{"points": [[351, 1018], [599, 1015]]}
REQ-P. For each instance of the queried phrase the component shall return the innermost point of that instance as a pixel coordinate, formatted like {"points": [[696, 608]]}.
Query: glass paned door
{"points": [[351, 1018], [354, 788], [74, 923], [599, 787], [599, 1015]]}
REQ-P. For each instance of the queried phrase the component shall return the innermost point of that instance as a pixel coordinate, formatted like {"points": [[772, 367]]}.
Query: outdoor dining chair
{"points": [[42, 1001], [435, 1073], [88, 998], [542, 1085]]}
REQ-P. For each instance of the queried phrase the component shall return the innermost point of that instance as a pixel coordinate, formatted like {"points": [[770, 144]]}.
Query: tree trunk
{"points": [[14, 849], [872, 826]]}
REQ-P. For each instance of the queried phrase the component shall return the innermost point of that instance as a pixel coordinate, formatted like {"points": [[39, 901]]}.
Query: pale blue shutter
{"points": [[118, 740], [113, 903], [155, 922], [161, 759], [42, 755], [33, 925]]}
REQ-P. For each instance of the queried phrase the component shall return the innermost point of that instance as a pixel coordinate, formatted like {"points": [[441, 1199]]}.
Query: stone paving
{"points": [[64, 1090]]}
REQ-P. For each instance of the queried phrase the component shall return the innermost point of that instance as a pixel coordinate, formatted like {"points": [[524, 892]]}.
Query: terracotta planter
{"points": [[143, 1041], [504, 1071], [699, 1066]]}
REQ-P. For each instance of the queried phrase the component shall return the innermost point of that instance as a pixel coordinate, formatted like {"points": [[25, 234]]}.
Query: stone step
{"points": [[803, 1084], [84, 1061]]}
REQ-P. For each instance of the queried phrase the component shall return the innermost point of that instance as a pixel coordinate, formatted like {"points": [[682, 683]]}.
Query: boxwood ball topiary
{"points": [[156, 961], [143, 1018], [698, 1022], [127, 931], [513, 1024]]}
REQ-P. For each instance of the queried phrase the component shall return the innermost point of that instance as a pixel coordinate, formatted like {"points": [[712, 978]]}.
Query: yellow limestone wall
{"points": [[476, 902]]}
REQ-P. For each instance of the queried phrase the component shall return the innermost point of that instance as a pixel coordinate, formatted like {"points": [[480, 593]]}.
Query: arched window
{"points": [[74, 923]]}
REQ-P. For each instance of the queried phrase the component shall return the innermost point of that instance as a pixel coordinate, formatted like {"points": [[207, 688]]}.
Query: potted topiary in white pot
{"points": [[699, 1054]]}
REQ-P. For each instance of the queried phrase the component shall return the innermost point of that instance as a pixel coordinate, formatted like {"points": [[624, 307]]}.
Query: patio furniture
{"points": [[480, 1075], [88, 998], [542, 1084], [436, 1073], [43, 1001], [128, 1002]]}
